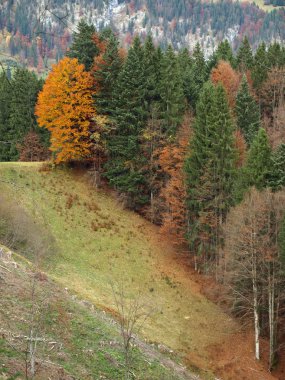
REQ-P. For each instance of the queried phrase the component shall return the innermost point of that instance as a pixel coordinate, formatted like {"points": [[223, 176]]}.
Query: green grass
{"points": [[90, 346], [98, 242]]}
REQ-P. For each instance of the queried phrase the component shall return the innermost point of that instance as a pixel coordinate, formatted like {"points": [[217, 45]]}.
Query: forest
{"points": [[38, 34], [196, 146]]}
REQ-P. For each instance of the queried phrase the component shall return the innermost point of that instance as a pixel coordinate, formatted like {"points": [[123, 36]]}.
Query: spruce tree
{"points": [[258, 164], [260, 66], [277, 173], [276, 55], [210, 170], [106, 72], [152, 68], [171, 93], [185, 65], [197, 76], [223, 52], [83, 47], [244, 58], [25, 87], [124, 168], [247, 112], [5, 99]]}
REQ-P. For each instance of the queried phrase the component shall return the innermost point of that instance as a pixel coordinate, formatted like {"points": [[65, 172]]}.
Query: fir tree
{"points": [[224, 52], [247, 112], [197, 76], [185, 65], [25, 88], [277, 173], [244, 58], [276, 55], [106, 71], [152, 68], [258, 164], [260, 66], [5, 99], [171, 93], [83, 47], [210, 170], [124, 168]]}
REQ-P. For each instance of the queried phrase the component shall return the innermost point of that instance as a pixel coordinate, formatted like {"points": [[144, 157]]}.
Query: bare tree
{"points": [[254, 270], [133, 313]]}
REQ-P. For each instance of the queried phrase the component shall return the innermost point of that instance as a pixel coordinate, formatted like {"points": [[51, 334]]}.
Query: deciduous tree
{"points": [[65, 108]]}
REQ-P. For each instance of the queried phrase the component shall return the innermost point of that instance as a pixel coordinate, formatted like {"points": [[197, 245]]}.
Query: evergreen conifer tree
{"points": [[276, 55], [247, 112], [277, 172], [185, 64], [171, 93], [260, 67], [106, 72], [125, 166], [152, 67], [25, 87], [83, 47], [223, 52], [244, 58], [210, 170], [258, 164], [198, 75], [5, 99]]}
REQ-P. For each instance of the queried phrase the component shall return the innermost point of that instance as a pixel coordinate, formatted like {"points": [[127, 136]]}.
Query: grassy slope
{"points": [[88, 343], [120, 247]]}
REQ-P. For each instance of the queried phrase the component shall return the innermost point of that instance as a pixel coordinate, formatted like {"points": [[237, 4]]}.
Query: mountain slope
{"points": [[76, 341], [93, 242], [38, 33]]}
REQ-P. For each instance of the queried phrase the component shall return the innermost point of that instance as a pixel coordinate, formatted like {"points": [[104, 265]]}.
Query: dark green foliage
{"points": [[124, 168], [277, 169], [5, 99], [197, 75], [152, 70], [224, 52], [258, 164], [276, 55], [185, 64], [210, 170], [247, 112], [171, 93], [260, 66], [106, 73], [25, 88], [244, 59], [83, 47]]}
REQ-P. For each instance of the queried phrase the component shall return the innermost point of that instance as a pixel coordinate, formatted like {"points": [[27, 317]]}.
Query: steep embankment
{"points": [[93, 242]]}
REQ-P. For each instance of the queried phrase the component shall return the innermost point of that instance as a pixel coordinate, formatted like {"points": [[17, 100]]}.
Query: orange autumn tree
{"points": [[171, 161], [65, 108], [230, 79]]}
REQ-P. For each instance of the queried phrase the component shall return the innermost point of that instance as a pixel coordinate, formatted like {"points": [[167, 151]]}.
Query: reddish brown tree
{"points": [[32, 149], [230, 79], [171, 160]]}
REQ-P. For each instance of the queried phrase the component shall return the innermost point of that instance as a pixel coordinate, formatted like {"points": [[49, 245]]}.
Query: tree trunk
{"points": [[255, 309]]}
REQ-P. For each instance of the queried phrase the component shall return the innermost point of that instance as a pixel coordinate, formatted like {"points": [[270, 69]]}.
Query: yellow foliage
{"points": [[65, 108]]}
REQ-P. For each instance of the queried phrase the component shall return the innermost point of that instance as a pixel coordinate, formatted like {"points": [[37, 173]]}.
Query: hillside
{"points": [[39, 33], [76, 340], [85, 241]]}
